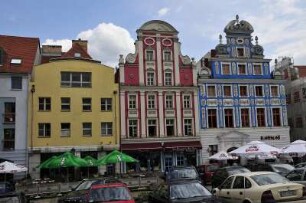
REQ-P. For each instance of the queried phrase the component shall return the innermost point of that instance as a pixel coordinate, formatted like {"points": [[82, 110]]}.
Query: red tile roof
{"points": [[76, 48], [24, 48]]}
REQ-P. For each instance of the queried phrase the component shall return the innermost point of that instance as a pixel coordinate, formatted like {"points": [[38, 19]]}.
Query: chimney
{"points": [[51, 50], [82, 43]]}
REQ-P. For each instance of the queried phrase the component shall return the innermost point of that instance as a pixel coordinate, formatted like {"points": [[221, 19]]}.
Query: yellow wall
{"points": [[47, 81]]}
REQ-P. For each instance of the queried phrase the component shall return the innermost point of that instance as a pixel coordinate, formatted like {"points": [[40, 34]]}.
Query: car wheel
{"points": [[246, 201]]}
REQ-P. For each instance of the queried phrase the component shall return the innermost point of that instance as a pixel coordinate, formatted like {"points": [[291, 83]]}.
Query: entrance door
{"points": [[168, 162]]}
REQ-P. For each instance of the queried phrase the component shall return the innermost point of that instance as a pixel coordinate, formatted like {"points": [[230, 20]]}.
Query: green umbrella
{"points": [[116, 157], [65, 160], [90, 161]]}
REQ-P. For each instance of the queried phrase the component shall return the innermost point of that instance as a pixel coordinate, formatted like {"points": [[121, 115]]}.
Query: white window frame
{"points": [[65, 131], [169, 101], [150, 78], [86, 104], [149, 57], [168, 79], [215, 94], [190, 127], [150, 123], [65, 106], [230, 89], [234, 123], [87, 130], [44, 130], [247, 88], [132, 126], [106, 104], [45, 104], [237, 48], [245, 66], [187, 101], [106, 128], [16, 82], [132, 101], [262, 88], [277, 90], [257, 64], [229, 65], [151, 101], [168, 123], [250, 117], [167, 57]]}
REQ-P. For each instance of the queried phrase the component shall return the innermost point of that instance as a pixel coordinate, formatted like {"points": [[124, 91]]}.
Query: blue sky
{"points": [[110, 25]]}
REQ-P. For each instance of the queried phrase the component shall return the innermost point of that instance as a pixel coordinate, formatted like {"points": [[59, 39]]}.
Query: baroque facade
{"points": [[158, 99], [240, 100]]}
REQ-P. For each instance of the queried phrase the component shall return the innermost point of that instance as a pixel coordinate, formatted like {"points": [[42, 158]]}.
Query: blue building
{"points": [[240, 99]]}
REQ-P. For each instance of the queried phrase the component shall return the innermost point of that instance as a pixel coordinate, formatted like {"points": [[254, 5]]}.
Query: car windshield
{"points": [[188, 190], [233, 171], [282, 168], [268, 179], [182, 173], [85, 185], [109, 194]]}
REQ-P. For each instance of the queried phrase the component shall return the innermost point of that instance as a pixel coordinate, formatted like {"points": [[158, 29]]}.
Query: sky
{"points": [[110, 25]]}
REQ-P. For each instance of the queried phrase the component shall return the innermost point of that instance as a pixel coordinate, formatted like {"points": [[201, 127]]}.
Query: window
{"points": [[86, 129], [227, 183], [168, 79], [169, 102], [149, 55], [240, 52], [132, 128], [213, 149], [44, 129], [299, 122], [243, 91], [44, 103], [296, 97], [239, 182], [9, 139], [212, 118], [274, 91], [16, 61], [241, 69], [245, 118], [152, 128], [170, 127], [276, 117], [151, 101], [187, 101], [65, 104], [132, 101], [226, 69], [75, 79], [258, 91], [86, 104], [257, 69], [211, 91], [261, 122], [106, 104], [227, 91], [180, 160], [16, 83], [1, 56], [188, 127], [9, 112], [65, 129], [167, 56], [150, 79], [228, 118], [106, 128]]}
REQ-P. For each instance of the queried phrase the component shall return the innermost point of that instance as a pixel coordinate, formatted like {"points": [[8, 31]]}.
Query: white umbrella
{"points": [[222, 155], [9, 167], [255, 147], [296, 148]]}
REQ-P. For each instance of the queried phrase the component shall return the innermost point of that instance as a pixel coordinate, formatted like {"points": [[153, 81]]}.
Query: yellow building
{"points": [[73, 106]]}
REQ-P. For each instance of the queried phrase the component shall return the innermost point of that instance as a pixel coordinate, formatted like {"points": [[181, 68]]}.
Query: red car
{"points": [[206, 171], [110, 193]]}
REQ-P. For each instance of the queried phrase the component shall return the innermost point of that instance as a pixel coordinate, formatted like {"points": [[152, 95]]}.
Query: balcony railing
{"points": [[9, 118]]}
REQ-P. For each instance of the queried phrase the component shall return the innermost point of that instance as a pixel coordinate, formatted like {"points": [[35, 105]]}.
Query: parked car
{"points": [[13, 197], [206, 172], [110, 192], [79, 193], [6, 187], [282, 169], [300, 165], [222, 173], [179, 191], [182, 172], [264, 187], [298, 175]]}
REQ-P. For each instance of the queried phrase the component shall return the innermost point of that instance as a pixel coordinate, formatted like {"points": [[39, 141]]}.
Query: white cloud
{"points": [[163, 12], [105, 43], [66, 43]]}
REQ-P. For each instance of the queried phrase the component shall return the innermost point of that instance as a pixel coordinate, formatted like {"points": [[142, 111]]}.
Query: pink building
{"points": [[159, 100]]}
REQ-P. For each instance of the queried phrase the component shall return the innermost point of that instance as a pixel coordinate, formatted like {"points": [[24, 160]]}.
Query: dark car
{"points": [[206, 171], [298, 175], [13, 197], [222, 173], [182, 172], [300, 165], [6, 187], [179, 191], [110, 192], [282, 169], [80, 192]]}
